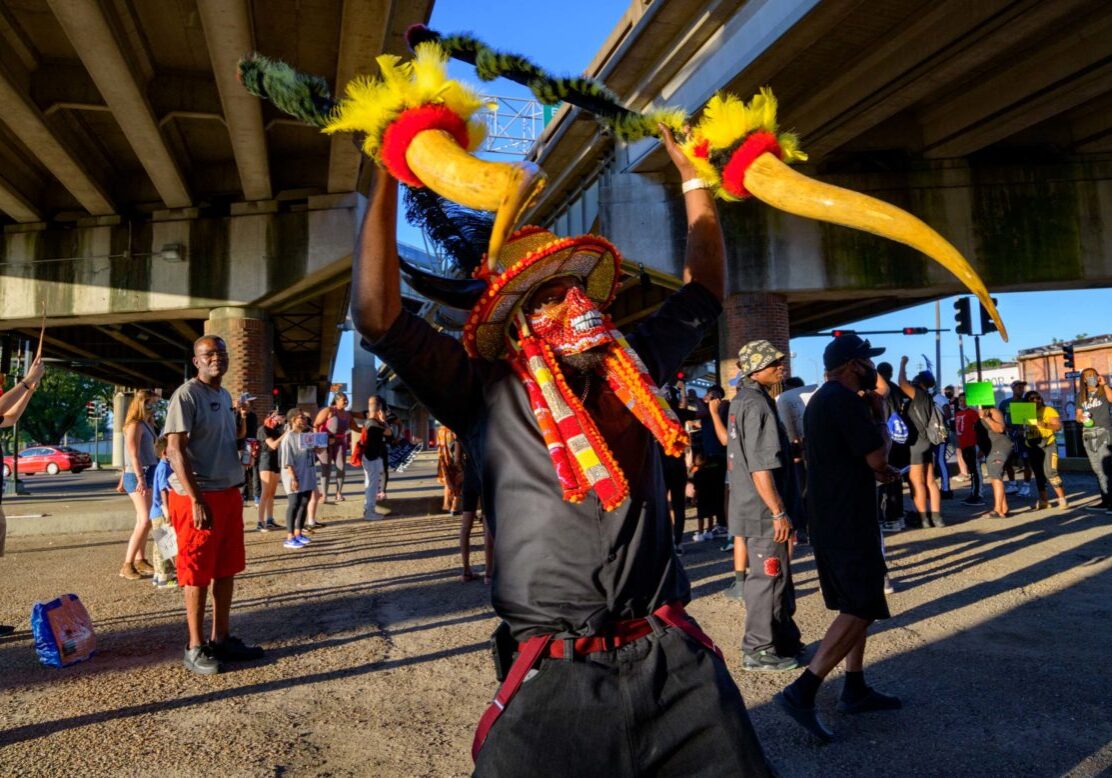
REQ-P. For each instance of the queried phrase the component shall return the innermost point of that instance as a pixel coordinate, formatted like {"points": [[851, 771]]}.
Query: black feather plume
{"points": [[461, 233]]}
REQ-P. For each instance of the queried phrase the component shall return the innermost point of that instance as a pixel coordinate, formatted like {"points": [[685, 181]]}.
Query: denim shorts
{"points": [[131, 483]]}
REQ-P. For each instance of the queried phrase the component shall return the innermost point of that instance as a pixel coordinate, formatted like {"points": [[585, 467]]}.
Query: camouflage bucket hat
{"points": [[757, 355]]}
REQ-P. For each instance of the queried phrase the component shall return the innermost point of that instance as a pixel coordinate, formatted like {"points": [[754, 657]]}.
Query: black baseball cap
{"points": [[845, 348]]}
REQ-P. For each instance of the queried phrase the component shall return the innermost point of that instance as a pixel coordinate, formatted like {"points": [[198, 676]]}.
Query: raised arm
{"points": [[14, 401], [993, 419], [907, 387], [376, 281], [705, 258], [713, 404]]}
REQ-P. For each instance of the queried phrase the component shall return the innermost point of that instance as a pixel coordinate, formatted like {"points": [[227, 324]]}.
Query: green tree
{"points": [[58, 406], [986, 364]]}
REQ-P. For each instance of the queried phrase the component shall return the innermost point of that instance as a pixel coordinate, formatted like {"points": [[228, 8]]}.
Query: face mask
{"points": [[571, 326], [868, 378], [1092, 382]]}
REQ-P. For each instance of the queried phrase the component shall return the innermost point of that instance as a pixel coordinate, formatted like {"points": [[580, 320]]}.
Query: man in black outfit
{"points": [[845, 452], [610, 677]]}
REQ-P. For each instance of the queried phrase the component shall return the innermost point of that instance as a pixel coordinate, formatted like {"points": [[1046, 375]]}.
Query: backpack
{"points": [[897, 428], [934, 425]]}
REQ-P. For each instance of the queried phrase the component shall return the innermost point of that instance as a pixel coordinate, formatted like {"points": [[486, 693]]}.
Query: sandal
{"points": [[339, 498], [995, 515]]}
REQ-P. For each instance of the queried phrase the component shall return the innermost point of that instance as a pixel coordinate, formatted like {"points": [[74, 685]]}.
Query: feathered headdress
{"points": [[737, 148]]}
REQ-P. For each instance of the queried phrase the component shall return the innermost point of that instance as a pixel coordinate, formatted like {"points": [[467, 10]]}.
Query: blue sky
{"points": [[1032, 319], [564, 42]]}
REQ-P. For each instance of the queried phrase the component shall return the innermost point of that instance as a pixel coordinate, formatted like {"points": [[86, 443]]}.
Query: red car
{"points": [[49, 459]]}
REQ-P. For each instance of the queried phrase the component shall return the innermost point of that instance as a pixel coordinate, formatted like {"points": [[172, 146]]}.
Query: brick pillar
{"points": [[751, 316], [250, 353]]}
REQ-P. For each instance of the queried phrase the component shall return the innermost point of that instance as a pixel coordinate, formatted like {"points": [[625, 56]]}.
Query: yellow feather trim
{"points": [[371, 104], [727, 119]]}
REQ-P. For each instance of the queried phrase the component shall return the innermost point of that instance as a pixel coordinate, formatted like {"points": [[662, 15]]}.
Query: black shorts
{"points": [[852, 581], [921, 452], [472, 490], [997, 459]]}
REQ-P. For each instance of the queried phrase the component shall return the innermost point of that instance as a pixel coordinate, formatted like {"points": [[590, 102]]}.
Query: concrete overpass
{"points": [[147, 198], [992, 121]]}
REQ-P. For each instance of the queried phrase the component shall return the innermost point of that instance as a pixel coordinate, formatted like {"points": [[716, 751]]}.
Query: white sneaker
{"points": [[1010, 488]]}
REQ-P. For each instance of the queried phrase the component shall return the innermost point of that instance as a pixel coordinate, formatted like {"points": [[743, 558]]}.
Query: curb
{"points": [[71, 521]]}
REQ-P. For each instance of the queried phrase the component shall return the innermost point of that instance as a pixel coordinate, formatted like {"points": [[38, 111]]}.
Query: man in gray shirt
{"points": [[760, 473], [206, 505]]}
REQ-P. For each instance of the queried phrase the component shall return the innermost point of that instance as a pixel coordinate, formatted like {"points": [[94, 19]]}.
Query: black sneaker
{"points": [[6, 629], [973, 500], [200, 660], [870, 701], [232, 649], [768, 662], [806, 717], [271, 523]]}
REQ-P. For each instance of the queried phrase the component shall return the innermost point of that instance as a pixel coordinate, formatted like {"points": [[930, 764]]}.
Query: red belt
{"points": [[534, 649]]}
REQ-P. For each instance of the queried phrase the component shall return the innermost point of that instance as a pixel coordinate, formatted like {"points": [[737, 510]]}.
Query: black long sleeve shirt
{"points": [[569, 569]]}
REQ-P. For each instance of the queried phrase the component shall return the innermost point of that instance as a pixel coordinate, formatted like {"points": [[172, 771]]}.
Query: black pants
{"points": [[251, 486], [1044, 462], [769, 599], [890, 501], [1098, 447], [662, 706], [969, 454], [297, 505], [675, 481]]}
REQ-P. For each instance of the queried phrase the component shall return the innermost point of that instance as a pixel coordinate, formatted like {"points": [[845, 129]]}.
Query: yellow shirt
{"points": [[1045, 432]]}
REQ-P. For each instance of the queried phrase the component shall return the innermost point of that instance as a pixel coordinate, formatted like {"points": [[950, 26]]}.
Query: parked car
{"points": [[49, 459]]}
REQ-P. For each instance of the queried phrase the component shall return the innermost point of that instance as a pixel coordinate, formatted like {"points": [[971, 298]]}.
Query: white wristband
{"points": [[691, 184]]}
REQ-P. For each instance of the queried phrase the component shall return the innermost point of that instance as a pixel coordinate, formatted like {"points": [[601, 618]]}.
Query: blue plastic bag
{"points": [[63, 631]]}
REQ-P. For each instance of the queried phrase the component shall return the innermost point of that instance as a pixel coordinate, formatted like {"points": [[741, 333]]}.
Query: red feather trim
{"points": [[702, 149], [733, 174], [402, 131]]}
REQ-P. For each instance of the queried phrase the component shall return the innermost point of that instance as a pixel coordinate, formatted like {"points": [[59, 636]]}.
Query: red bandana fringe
{"points": [[582, 459]]}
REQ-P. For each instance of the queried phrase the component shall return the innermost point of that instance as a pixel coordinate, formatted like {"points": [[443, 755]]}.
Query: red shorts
{"points": [[205, 554]]}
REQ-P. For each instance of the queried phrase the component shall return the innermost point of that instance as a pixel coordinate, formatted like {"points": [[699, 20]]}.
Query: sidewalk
{"points": [[97, 507]]}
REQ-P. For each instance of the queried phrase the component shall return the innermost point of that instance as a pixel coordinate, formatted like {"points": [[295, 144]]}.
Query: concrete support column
{"points": [[121, 401], [364, 376], [750, 316], [250, 354], [419, 424]]}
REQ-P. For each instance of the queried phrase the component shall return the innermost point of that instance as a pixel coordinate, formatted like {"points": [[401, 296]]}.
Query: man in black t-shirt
{"points": [[846, 455]]}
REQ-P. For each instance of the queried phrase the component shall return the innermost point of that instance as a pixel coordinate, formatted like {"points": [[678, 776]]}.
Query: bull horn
{"points": [[505, 188], [461, 293], [772, 181]]}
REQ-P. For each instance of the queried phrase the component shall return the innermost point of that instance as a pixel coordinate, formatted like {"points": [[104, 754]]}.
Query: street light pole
{"points": [[938, 339]]}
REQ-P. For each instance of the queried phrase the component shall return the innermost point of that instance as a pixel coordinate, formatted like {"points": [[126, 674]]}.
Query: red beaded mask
{"points": [[571, 326]]}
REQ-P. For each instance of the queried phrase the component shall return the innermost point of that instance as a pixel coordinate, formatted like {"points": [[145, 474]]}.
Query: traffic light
{"points": [[961, 316], [987, 324], [1067, 356], [840, 333], [915, 330]]}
